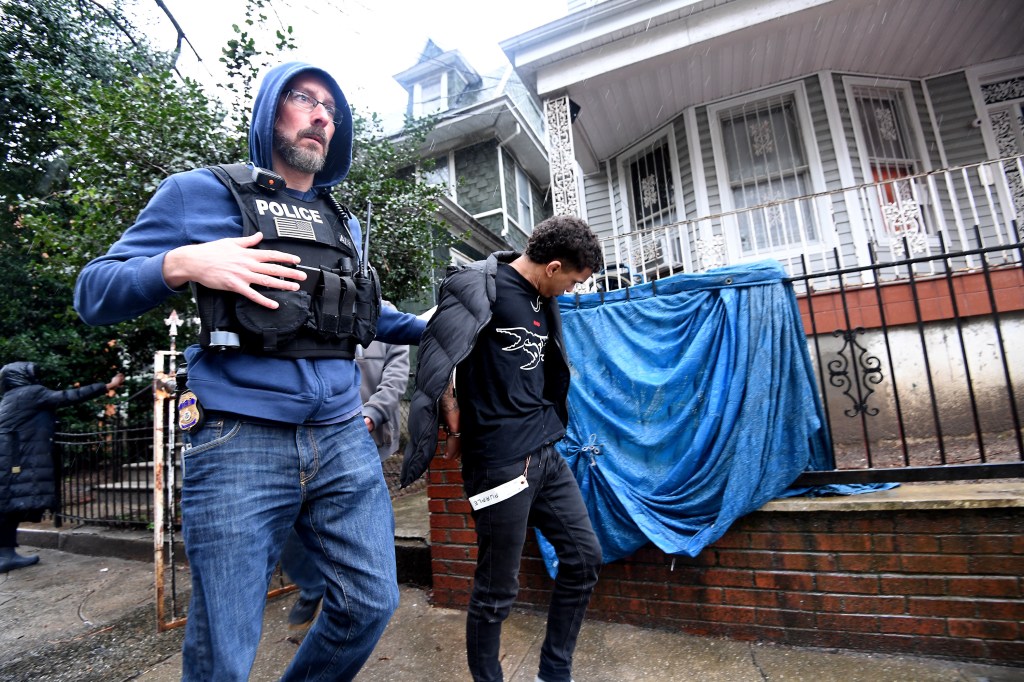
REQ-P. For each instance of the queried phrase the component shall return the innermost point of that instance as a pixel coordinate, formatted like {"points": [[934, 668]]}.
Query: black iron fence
{"points": [[106, 475], [921, 376]]}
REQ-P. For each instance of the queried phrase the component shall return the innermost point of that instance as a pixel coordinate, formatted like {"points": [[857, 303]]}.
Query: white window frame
{"points": [[522, 178], [977, 77], [666, 136], [815, 173], [449, 184], [458, 258], [418, 108], [915, 137]]}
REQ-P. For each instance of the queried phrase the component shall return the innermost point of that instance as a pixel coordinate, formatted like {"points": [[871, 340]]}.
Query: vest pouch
{"points": [[273, 328], [333, 305], [367, 310]]}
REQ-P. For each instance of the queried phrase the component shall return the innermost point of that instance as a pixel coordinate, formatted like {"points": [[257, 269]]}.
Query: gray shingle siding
{"points": [[476, 170], [954, 110]]}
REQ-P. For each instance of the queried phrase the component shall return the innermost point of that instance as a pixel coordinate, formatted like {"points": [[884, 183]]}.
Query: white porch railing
{"points": [[944, 211]]}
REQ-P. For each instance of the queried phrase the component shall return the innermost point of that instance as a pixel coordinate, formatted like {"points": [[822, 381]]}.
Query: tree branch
{"points": [[180, 32]]}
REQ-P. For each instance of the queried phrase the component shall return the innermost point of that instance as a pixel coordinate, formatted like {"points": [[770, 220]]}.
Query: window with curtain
{"points": [[891, 155], [767, 163]]}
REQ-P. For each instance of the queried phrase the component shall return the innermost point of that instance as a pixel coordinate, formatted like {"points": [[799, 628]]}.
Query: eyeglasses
{"points": [[308, 103]]}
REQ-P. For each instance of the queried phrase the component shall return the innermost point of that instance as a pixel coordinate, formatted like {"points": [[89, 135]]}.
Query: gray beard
{"points": [[302, 159]]}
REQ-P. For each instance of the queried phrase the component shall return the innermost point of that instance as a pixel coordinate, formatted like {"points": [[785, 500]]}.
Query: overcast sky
{"points": [[363, 43]]}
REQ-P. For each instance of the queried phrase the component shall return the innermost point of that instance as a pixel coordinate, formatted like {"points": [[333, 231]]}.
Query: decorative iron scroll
{"points": [[866, 371], [565, 197]]}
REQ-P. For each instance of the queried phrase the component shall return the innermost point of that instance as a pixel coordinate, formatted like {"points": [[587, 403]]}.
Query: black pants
{"points": [[552, 503], [9, 529]]}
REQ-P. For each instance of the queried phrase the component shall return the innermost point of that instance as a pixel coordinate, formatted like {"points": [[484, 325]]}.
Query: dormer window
{"points": [[437, 82], [430, 96]]}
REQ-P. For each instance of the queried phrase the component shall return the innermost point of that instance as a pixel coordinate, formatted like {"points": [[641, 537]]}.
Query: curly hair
{"points": [[565, 238]]}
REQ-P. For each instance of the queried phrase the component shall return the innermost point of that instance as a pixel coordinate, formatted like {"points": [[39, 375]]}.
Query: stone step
{"points": [[131, 496], [143, 471]]}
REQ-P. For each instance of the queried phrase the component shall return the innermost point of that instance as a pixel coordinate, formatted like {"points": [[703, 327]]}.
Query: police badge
{"points": [[190, 414]]}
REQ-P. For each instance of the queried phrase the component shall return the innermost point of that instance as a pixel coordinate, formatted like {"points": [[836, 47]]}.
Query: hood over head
{"points": [[264, 114], [17, 374]]}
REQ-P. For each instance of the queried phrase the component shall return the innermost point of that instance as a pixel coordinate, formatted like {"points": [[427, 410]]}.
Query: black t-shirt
{"points": [[500, 386]]}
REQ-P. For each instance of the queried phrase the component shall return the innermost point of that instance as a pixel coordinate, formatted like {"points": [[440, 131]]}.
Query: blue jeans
{"points": [[245, 486], [300, 567], [552, 503]]}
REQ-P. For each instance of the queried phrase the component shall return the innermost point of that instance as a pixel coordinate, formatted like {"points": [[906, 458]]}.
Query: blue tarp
{"points": [[692, 403]]}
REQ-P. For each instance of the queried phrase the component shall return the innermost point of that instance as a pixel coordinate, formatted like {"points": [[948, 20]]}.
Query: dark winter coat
{"points": [[463, 310], [27, 473]]}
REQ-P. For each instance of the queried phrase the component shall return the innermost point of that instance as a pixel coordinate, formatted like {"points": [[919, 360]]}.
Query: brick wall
{"points": [[927, 582], [897, 300]]}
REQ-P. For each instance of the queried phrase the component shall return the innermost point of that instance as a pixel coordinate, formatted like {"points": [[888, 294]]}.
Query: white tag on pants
{"points": [[502, 492]]}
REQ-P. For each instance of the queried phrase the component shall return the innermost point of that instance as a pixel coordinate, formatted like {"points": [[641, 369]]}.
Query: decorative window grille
{"points": [[652, 200], [1005, 105], [891, 155], [524, 200], [652, 196], [767, 164]]}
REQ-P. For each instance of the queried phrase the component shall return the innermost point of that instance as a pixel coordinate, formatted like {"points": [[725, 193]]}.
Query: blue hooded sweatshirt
{"points": [[194, 207]]}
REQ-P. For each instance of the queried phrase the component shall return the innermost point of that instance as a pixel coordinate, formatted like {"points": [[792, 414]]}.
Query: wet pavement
{"points": [[79, 617]]}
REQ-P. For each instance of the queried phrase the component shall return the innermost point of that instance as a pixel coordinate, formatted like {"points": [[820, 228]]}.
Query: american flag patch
{"points": [[296, 229]]}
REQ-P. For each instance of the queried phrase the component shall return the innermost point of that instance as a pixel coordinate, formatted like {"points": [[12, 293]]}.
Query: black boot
{"points": [[11, 560]]}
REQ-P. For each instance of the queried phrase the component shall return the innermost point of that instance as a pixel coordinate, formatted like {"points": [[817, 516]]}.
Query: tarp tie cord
{"points": [[591, 449]]}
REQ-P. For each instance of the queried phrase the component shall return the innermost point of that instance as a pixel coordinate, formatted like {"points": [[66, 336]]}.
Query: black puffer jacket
{"points": [[463, 310], [27, 474]]}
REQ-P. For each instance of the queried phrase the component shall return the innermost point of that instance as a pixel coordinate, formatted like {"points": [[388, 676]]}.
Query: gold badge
{"points": [[189, 413]]}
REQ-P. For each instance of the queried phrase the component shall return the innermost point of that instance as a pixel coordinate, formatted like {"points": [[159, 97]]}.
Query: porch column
{"points": [[565, 197]]}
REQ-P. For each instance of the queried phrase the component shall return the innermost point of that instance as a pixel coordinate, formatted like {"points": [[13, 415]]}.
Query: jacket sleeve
{"points": [[128, 280], [54, 399], [188, 208], [399, 328], [383, 403]]}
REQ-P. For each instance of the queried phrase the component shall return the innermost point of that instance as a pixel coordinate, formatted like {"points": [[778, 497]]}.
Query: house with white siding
{"points": [[698, 133], [834, 136]]}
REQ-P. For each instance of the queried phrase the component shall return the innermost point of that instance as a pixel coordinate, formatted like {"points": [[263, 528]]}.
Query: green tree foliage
{"points": [[80, 44], [405, 231]]}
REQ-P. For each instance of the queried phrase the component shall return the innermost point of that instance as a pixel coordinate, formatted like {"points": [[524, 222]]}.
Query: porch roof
{"points": [[632, 66]]}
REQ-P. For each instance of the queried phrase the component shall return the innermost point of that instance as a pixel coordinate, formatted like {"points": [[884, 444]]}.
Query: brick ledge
{"points": [[911, 496]]}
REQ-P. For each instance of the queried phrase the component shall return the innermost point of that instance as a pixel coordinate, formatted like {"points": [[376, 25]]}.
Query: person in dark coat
{"points": [[27, 473]]}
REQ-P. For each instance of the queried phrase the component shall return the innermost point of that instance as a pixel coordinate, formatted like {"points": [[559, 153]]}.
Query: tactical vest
{"points": [[336, 306]]}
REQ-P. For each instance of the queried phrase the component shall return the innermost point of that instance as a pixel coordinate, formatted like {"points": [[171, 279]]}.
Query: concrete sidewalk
{"points": [[78, 617], [424, 644]]}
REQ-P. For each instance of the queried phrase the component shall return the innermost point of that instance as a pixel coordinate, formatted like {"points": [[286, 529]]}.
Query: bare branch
{"points": [[114, 19], [180, 32]]}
